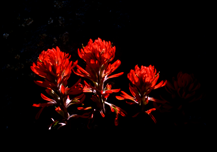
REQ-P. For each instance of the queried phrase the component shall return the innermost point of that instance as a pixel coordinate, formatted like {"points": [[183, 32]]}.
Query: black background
{"points": [[172, 37]]}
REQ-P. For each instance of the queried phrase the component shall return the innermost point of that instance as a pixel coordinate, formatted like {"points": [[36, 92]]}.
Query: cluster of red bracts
{"points": [[55, 67]]}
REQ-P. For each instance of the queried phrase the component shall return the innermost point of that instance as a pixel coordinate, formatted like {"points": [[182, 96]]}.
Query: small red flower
{"points": [[144, 81]]}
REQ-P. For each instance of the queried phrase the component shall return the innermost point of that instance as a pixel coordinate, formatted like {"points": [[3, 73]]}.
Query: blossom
{"points": [[97, 56], [144, 81], [55, 67]]}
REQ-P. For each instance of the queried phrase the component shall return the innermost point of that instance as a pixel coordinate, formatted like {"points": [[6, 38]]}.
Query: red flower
{"points": [[55, 67], [144, 81], [97, 56]]}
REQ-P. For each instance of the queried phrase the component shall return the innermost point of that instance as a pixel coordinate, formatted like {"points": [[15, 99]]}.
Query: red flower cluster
{"points": [[98, 55], [144, 81], [54, 66]]}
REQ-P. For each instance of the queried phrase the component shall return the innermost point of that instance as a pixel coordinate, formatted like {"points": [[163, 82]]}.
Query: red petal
{"points": [[38, 72], [153, 118], [158, 85], [40, 83], [122, 114], [80, 54], [155, 100], [119, 98], [80, 108], [115, 75], [150, 110], [67, 71], [46, 98], [126, 96], [36, 105], [111, 91], [83, 74], [87, 108], [132, 90], [154, 81], [112, 109]]}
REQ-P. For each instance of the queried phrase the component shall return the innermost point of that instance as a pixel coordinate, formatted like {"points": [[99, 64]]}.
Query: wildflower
{"points": [[144, 81], [98, 55], [54, 66]]}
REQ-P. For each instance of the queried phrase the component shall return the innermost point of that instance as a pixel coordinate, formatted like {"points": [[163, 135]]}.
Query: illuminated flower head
{"points": [[53, 65], [144, 81], [98, 55]]}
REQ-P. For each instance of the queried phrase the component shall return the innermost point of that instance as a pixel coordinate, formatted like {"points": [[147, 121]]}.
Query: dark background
{"points": [[172, 37]]}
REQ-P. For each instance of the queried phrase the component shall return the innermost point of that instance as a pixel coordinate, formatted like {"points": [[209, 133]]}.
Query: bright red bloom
{"points": [[55, 67], [97, 56], [144, 81]]}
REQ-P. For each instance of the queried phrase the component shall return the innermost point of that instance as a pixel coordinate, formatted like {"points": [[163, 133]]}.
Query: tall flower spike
{"points": [[98, 55], [55, 67]]}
